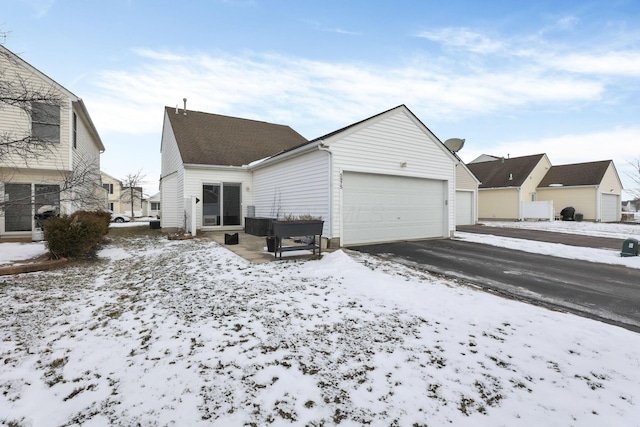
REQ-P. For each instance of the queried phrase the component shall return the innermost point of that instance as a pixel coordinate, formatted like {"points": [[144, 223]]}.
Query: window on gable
{"points": [[75, 131], [108, 187], [45, 122]]}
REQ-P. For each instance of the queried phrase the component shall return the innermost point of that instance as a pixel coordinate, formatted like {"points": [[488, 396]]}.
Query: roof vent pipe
{"points": [[176, 108], [510, 177], [185, 106]]}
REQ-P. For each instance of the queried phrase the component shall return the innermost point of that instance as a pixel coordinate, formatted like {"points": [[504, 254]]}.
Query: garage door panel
{"points": [[464, 208], [610, 203], [378, 208]]}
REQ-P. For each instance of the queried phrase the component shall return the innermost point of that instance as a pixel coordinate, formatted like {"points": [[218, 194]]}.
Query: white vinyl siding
{"points": [[381, 208], [391, 144], [296, 186], [172, 209], [17, 124], [171, 160], [171, 180], [87, 150], [195, 178]]}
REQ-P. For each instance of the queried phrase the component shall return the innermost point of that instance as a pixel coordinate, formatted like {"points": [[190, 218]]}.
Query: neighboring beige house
{"points": [[593, 189], [506, 182], [138, 201], [119, 197], [113, 188], [65, 177]]}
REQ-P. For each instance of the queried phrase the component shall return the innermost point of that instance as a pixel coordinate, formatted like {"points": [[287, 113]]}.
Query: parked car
{"points": [[116, 217]]}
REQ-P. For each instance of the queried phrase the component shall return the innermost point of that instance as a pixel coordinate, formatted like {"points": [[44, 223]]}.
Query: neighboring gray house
{"points": [[385, 178]]}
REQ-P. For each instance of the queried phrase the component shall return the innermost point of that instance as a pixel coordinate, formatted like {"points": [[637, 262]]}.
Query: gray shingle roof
{"points": [[590, 173], [497, 173], [213, 139]]}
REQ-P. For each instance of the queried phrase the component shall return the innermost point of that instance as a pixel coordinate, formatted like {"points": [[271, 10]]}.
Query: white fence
{"points": [[537, 210]]}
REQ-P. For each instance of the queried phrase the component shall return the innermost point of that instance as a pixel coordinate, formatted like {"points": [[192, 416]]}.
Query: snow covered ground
{"points": [[605, 256], [185, 333]]}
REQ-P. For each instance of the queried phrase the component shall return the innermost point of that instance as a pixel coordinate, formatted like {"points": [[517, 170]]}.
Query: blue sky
{"points": [[511, 77]]}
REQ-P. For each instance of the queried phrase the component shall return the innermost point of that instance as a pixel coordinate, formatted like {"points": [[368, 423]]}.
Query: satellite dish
{"points": [[454, 144]]}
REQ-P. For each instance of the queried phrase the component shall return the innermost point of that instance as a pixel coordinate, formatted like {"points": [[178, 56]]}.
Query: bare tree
{"points": [[132, 186], [39, 104], [79, 187], [17, 91], [635, 177]]}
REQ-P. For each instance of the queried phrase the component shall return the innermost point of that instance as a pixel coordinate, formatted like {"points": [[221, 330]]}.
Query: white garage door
{"points": [[464, 207], [383, 208], [610, 204]]}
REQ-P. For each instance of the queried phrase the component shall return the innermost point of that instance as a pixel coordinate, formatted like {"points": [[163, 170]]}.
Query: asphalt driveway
{"points": [[600, 291]]}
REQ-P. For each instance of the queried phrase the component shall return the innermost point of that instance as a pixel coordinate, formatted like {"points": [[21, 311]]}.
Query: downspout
{"points": [[323, 147]]}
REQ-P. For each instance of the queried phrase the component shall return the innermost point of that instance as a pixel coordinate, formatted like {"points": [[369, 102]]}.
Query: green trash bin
{"points": [[630, 248]]}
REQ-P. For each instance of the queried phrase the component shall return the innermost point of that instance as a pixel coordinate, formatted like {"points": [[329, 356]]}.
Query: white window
{"points": [[45, 122], [75, 131]]}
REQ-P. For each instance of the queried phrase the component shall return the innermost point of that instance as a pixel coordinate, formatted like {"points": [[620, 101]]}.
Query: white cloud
{"points": [[304, 92], [564, 23], [600, 58], [567, 23], [464, 38], [41, 7], [624, 63], [618, 144]]}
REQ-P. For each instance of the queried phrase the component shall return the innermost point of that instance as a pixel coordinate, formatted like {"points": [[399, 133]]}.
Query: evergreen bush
{"points": [[75, 235]]}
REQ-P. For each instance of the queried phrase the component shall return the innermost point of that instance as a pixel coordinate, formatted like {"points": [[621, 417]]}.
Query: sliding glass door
{"points": [[17, 211], [231, 207], [221, 204]]}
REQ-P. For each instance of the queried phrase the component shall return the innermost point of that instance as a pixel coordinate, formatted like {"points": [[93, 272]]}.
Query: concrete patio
{"points": [[254, 248]]}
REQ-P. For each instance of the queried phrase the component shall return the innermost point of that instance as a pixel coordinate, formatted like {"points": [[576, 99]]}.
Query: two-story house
{"points": [[119, 197], [49, 149]]}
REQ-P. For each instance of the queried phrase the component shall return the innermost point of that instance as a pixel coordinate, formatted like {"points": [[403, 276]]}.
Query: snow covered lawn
{"points": [[185, 333]]}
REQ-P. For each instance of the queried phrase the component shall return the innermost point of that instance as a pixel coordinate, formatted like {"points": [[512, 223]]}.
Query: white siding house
{"points": [[66, 173], [386, 178], [205, 157], [295, 184], [382, 179]]}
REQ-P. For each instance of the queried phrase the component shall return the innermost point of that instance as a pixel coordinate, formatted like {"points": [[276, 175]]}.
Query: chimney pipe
{"points": [[185, 106]]}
